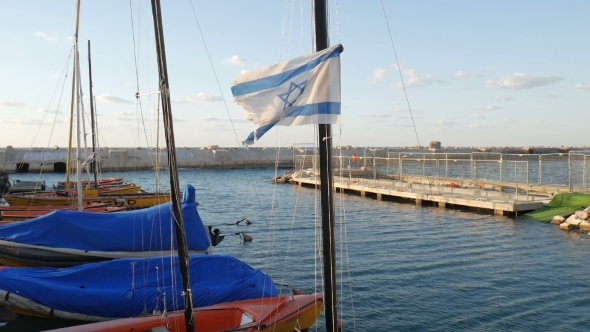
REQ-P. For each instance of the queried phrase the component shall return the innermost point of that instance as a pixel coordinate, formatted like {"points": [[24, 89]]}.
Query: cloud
{"points": [[125, 116], [462, 74], [48, 111], [491, 68], [479, 126], [11, 103], [508, 98], [112, 99], [413, 79], [463, 87], [478, 116], [234, 61], [521, 81], [406, 111], [583, 87], [551, 96], [445, 124], [491, 108], [44, 36], [378, 116], [204, 97], [378, 76], [30, 121], [213, 119]]}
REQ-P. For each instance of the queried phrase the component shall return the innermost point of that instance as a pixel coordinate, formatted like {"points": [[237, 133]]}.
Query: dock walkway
{"points": [[421, 191]]}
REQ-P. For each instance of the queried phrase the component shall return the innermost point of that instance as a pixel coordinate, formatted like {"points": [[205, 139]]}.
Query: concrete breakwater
{"points": [[24, 160], [19, 160]]}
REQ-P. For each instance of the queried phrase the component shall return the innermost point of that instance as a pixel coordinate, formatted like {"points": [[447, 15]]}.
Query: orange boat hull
{"points": [[277, 314]]}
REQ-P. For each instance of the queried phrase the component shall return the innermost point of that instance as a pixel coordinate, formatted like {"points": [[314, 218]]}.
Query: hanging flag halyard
{"points": [[305, 90]]}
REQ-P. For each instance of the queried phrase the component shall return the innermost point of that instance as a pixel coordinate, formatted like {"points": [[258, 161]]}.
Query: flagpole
{"points": [[326, 185]]}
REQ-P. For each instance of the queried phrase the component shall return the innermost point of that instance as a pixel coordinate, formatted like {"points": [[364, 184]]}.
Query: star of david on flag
{"points": [[305, 90]]}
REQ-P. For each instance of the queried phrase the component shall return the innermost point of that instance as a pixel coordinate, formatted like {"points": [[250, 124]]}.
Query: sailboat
{"points": [[293, 312]]}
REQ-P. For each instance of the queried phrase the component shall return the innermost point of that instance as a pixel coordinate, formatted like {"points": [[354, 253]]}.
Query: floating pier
{"points": [[498, 202]]}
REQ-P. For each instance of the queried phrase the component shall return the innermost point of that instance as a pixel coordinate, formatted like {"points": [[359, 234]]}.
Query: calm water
{"points": [[402, 268]]}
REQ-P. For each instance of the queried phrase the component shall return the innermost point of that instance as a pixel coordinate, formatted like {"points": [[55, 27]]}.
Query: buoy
{"points": [[247, 238], [248, 222]]}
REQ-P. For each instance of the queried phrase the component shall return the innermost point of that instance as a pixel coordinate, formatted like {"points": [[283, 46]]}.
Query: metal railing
{"points": [[512, 174]]}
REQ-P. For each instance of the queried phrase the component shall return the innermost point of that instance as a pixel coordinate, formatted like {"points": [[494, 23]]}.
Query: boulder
{"points": [[587, 209], [557, 220], [583, 215], [585, 226], [574, 220], [566, 227]]}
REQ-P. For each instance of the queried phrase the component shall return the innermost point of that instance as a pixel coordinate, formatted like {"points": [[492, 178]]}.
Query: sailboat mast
{"points": [[92, 118], [183, 257], [73, 97], [326, 184]]}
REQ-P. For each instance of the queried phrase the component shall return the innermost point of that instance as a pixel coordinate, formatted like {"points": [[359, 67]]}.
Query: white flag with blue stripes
{"points": [[305, 90]]}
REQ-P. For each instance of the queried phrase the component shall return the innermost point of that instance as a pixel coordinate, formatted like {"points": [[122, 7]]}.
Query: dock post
{"points": [[499, 212], [363, 193], [379, 197], [418, 202], [442, 205]]}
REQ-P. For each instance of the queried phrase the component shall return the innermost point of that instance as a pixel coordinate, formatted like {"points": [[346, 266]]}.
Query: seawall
{"points": [[24, 160]]}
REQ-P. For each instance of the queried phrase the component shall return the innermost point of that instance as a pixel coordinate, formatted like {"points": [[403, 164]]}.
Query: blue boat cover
{"points": [[130, 287], [150, 229]]}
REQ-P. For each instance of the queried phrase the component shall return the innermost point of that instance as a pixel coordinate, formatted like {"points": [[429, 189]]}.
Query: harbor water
{"points": [[400, 267]]}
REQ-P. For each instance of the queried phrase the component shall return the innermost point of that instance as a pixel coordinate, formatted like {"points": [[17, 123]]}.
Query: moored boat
{"points": [[61, 185], [132, 201], [10, 216], [137, 286], [68, 238], [277, 314]]}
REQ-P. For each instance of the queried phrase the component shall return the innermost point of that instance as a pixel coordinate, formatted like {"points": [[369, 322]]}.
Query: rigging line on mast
{"points": [[139, 104], [400, 72], [64, 74], [222, 96]]}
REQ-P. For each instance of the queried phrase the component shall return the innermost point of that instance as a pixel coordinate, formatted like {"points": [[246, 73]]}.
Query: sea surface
{"points": [[400, 267]]}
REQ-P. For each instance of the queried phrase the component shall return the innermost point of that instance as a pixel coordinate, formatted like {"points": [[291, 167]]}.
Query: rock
{"points": [[583, 215], [557, 220], [585, 226], [574, 220], [566, 227], [587, 209]]}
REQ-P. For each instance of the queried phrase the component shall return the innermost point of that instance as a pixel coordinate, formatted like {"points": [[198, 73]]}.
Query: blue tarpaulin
{"points": [[150, 229], [131, 287]]}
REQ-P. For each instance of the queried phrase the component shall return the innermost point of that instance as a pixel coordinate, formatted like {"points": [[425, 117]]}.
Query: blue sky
{"points": [[477, 73]]}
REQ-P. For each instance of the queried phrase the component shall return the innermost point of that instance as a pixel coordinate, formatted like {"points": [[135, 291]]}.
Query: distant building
{"points": [[434, 145]]}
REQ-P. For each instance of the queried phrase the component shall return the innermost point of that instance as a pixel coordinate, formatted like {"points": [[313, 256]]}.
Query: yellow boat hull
{"points": [[136, 201]]}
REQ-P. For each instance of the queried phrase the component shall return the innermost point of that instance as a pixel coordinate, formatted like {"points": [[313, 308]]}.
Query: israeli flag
{"points": [[305, 90]]}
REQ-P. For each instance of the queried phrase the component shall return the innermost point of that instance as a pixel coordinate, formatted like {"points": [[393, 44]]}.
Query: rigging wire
{"points": [[400, 72]]}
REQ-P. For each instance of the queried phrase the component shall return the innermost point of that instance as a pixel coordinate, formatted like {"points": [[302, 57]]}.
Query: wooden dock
{"points": [[442, 196]]}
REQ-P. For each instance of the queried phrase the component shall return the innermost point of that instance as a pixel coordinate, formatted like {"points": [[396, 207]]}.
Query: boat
{"points": [[125, 288], [120, 189], [131, 201], [69, 238], [61, 185], [275, 314], [10, 216]]}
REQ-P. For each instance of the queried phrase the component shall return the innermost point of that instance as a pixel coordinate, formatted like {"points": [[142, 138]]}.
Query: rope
{"points": [[400, 73]]}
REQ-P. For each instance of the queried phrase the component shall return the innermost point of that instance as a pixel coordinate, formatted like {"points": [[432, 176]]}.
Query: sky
{"points": [[474, 73]]}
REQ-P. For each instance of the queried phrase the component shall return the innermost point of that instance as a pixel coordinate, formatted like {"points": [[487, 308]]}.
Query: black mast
{"points": [[92, 119], [326, 184], [183, 257]]}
